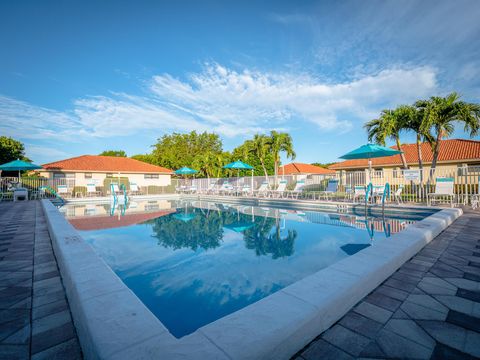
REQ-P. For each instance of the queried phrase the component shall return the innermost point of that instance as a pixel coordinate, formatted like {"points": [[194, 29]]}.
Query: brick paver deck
{"points": [[35, 319], [428, 309]]}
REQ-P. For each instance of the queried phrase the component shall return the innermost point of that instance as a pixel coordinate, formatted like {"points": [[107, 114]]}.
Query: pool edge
{"points": [[262, 329]]}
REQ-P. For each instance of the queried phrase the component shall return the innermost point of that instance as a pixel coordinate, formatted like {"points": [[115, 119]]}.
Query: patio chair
{"points": [[262, 190], [211, 188], [92, 190], [443, 188], [475, 198], [359, 192], [134, 189], [246, 190], [226, 189], [397, 195], [280, 191], [332, 188], [299, 188], [62, 191], [348, 192]]}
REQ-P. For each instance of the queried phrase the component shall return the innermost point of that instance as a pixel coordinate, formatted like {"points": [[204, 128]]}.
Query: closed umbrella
{"points": [[19, 165]]}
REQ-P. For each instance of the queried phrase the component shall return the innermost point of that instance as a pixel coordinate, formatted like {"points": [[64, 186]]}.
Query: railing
{"points": [[73, 188], [415, 184]]}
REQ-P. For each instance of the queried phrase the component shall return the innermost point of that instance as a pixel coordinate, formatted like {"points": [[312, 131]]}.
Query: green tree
{"points": [[147, 158], [260, 147], [206, 164], [414, 123], [244, 153], [114, 153], [176, 150], [11, 149], [323, 165], [389, 125], [439, 115], [280, 142]]}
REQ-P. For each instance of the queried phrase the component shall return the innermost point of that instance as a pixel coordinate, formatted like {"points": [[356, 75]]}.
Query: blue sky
{"points": [[79, 77]]}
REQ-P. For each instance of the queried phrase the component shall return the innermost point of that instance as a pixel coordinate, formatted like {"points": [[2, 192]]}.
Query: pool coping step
{"points": [[112, 322]]}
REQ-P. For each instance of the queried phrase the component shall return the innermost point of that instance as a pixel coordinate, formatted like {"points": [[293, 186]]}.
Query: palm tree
{"points": [[205, 163], [439, 115], [388, 125], [280, 142], [414, 123], [260, 147]]}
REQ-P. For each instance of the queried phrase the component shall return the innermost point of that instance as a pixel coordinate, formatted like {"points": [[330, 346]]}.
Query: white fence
{"points": [[416, 184], [34, 185]]}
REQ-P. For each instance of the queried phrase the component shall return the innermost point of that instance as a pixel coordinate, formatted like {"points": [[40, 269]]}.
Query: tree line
{"points": [[431, 120]]}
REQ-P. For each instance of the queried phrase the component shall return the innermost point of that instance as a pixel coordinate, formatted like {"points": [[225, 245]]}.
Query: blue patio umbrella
{"points": [[239, 226], [185, 171], [19, 165], [370, 151], [239, 165], [184, 217]]}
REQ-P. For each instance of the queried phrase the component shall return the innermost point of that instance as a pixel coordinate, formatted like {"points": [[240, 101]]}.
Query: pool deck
{"points": [[428, 309], [35, 320]]}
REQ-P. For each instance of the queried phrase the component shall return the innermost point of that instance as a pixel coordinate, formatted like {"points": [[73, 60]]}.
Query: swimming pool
{"points": [[192, 263]]}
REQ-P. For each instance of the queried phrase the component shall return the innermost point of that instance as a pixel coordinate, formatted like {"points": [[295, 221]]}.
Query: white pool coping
{"points": [[112, 322]]}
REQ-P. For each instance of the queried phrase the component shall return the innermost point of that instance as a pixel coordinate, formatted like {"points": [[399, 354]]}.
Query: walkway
{"points": [[35, 319], [428, 309]]}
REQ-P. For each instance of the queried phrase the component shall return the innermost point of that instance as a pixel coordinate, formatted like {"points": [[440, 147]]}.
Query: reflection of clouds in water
{"points": [[229, 271]]}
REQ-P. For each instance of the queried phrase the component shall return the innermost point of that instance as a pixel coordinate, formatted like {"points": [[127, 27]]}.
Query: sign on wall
{"points": [[411, 175]]}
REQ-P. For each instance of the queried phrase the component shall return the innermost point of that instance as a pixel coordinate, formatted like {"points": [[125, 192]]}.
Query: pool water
{"points": [[192, 263]]}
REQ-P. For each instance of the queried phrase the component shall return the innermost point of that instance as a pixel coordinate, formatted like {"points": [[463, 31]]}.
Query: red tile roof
{"points": [[108, 222], [105, 164], [300, 168], [453, 150]]}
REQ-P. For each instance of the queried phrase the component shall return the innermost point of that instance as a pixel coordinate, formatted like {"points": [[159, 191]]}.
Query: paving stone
{"points": [[464, 283], [345, 339], [392, 292], [464, 320], [419, 312], [360, 324], [453, 336], [398, 284], [410, 330], [53, 336], [460, 304], [396, 346], [51, 321], [400, 314], [66, 350], [442, 352], [14, 352], [469, 294], [428, 302], [470, 276], [437, 286], [373, 312], [48, 309], [22, 336], [320, 349], [383, 301]]}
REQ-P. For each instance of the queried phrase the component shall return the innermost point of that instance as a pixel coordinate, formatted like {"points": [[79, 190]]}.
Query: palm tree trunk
{"points": [[402, 155], [436, 150], [264, 170], [276, 171], [419, 151]]}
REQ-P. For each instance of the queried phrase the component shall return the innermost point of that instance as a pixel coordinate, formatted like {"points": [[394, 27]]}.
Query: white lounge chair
{"points": [[211, 188], [134, 189], [397, 195], [280, 190], [262, 190], [246, 190], [332, 188], [359, 192], [62, 190], [299, 187], [92, 190], [444, 189], [226, 189]]}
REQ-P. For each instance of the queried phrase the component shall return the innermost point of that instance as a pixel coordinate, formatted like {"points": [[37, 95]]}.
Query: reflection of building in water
{"points": [[378, 224], [98, 222], [98, 216]]}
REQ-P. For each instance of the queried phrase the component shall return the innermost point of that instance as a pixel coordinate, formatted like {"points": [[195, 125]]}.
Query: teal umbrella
{"points": [[240, 165], [184, 217], [185, 171], [19, 165], [370, 151], [239, 226]]}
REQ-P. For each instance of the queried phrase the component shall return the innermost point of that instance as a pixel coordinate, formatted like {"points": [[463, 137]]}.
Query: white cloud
{"points": [[229, 102]]}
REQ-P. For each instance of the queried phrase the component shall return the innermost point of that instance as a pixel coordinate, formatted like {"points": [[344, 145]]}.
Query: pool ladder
{"points": [[369, 193]]}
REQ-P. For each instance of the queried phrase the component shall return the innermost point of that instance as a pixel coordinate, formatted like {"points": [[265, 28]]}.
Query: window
{"points": [[109, 176], [150, 176], [88, 175], [60, 175]]}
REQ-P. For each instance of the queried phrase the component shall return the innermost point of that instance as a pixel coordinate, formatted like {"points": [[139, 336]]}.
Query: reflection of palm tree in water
{"points": [[264, 241], [206, 230]]}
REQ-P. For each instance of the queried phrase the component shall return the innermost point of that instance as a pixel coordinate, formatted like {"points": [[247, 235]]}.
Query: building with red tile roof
{"points": [[303, 169], [453, 152], [94, 169]]}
